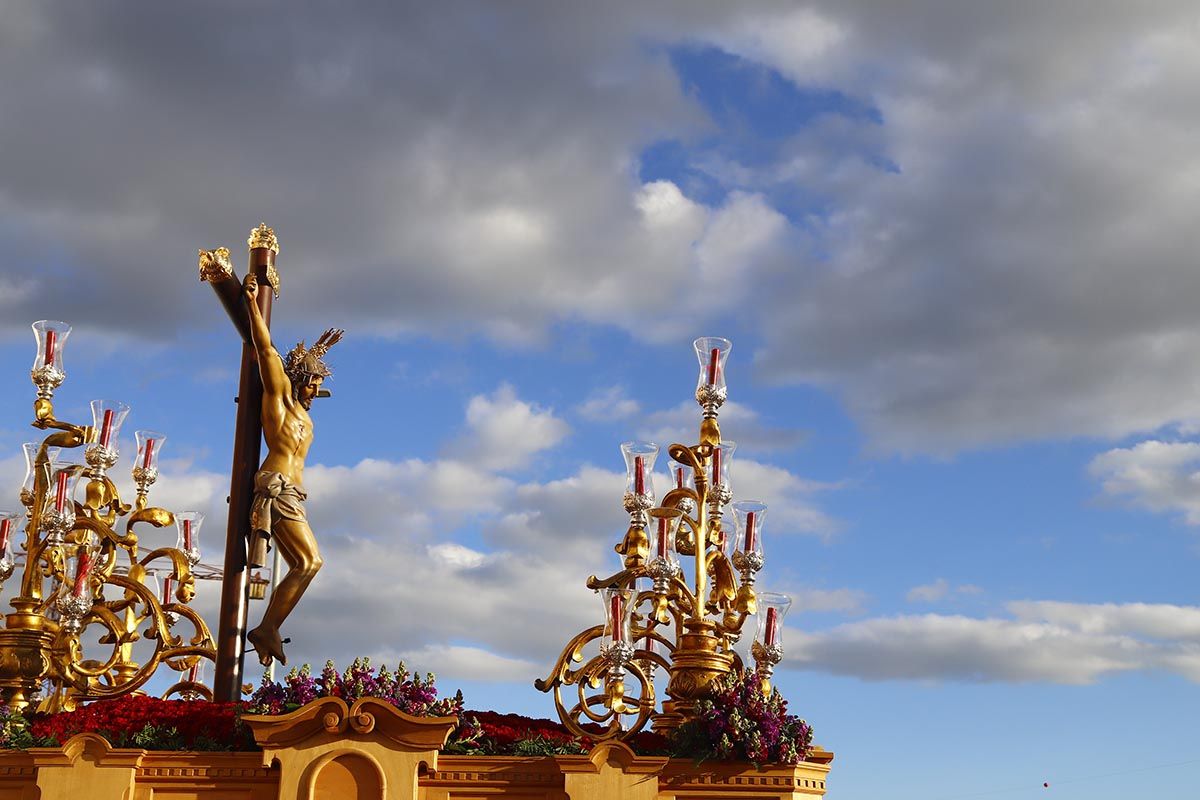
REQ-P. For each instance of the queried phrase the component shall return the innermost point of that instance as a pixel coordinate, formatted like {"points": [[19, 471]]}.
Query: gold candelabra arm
{"points": [[41, 560], [675, 497], [181, 570], [661, 659], [158, 517], [70, 435], [603, 688], [105, 535], [36, 552], [118, 674], [693, 456], [625, 577], [572, 653]]}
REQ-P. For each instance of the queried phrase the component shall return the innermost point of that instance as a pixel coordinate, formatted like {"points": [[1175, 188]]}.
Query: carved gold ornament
{"points": [[215, 265]]}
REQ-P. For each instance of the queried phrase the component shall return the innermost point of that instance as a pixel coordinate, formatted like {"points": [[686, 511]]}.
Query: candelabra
{"points": [[687, 629], [73, 576]]}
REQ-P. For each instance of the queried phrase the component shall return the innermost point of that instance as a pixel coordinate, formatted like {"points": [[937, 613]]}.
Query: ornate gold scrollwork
{"points": [[36, 646]]}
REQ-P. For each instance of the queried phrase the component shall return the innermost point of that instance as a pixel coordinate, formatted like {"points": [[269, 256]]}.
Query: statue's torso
{"points": [[288, 431]]}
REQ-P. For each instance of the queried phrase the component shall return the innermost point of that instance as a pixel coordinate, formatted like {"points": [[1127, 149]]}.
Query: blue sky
{"points": [[951, 246]]}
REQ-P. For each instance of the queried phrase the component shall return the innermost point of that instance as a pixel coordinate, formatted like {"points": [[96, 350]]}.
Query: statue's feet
{"points": [[268, 645]]}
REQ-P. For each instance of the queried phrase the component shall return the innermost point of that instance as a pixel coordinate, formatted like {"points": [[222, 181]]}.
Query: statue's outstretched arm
{"points": [[270, 365]]}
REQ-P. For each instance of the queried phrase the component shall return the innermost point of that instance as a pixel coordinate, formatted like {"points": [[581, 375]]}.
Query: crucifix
{"points": [[266, 504]]}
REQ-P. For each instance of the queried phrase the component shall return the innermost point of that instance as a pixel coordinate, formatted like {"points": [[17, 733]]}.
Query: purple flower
{"points": [[410, 693], [738, 721]]}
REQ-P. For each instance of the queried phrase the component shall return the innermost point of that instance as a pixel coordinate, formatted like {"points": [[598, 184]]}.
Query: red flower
{"points": [[149, 722]]}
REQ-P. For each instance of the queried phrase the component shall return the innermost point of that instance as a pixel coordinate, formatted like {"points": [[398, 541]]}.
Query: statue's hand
{"points": [[250, 287]]}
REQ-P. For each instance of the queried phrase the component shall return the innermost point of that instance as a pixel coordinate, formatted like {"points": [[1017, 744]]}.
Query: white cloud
{"points": [[933, 592], [504, 432], [739, 423], [741, 231], [573, 520], [608, 405], [933, 647], [451, 554], [1150, 620], [665, 209], [929, 592], [414, 495], [790, 511], [1160, 476], [846, 601], [469, 663]]}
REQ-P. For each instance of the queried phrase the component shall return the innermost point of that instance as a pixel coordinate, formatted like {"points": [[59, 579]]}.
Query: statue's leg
{"points": [[298, 547]]}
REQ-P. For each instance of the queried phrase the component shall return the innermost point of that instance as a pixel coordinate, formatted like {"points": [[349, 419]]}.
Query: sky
{"points": [[953, 245]]}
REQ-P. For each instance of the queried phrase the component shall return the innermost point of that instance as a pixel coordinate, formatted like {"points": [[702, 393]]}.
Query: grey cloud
{"points": [[1023, 272], [1043, 641], [460, 168], [933, 647], [426, 168]]}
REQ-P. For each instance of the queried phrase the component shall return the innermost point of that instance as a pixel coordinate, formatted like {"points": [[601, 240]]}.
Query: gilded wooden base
{"points": [[371, 750], [695, 665]]}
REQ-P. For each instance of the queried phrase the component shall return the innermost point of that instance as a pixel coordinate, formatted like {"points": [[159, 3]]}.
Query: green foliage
{"points": [[15, 730]]}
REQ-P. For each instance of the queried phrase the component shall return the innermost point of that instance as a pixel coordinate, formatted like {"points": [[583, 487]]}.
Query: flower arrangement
{"points": [[493, 734], [137, 721], [738, 720], [410, 693]]}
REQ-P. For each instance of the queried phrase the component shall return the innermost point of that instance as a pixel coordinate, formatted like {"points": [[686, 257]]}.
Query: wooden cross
{"points": [[216, 270]]}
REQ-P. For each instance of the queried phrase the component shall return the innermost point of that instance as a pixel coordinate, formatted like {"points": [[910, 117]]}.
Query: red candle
{"points": [[618, 629], [167, 581], [193, 672], [679, 477], [772, 623], [5, 528], [48, 360], [639, 477], [713, 369], [106, 427], [716, 466], [649, 645], [663, 537], [187, 534], [750, 532], [60, 496], [149, 455], [82, 571]]}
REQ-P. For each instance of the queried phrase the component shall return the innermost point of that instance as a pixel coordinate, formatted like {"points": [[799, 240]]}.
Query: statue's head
{"points": [[307, 371]]}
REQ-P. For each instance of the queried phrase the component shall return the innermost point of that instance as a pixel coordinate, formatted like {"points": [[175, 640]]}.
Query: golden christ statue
{"points": [[289, 388]]}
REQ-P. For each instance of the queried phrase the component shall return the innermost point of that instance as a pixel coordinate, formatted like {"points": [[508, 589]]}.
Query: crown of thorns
{"points": [[303, 360]]}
